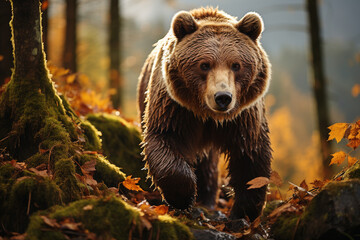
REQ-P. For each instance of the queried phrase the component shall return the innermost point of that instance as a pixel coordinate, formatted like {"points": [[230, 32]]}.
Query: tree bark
{"points": [[27, 39], [114, 53], [319, 84], [6, 58], [45, 23], [69, 51]]}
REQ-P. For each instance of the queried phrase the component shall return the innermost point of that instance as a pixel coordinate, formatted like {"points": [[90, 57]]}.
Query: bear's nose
{"points": [[223, 99]]}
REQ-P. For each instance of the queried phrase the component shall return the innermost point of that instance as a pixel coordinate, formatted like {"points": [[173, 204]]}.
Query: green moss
{"points": [[169, 228], [107, 218], [353, 172], [26, 196], [285, 226], [92, 136], [110, 174], [65, 178], [121, 144]]}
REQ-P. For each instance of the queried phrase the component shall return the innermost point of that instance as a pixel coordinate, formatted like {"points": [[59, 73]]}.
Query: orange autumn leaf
{"points": [[355, 91], [353, 143], [131, 184], [354, 131], [258, 182], [161, 209], [304, 185], [351, 160], [338, 158], [337, 131]]}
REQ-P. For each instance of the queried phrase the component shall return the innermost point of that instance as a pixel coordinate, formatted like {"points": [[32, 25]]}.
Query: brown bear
{"points": [[201, 93]]}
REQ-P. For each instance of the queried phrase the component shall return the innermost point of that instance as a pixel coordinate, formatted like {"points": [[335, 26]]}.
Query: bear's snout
{"points": [[223, 99]]}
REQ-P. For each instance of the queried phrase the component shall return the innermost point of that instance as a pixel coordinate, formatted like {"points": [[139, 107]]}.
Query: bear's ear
{"points": [[251, 25], [182, 24]]}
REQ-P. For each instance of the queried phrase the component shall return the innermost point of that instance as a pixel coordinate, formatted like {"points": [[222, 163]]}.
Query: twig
{"points": [[28, 206]]}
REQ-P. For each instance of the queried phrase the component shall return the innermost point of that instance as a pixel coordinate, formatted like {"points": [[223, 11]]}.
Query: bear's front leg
{"points": [[244, 167], [170, 171]]}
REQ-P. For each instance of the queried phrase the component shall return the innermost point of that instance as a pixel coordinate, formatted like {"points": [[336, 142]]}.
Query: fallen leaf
{"points": [[131, 184], [258, 182], [89, 166], [304, 185], [50, 222], [337, 131], [88, 207], [161, 209], [351, 160], [90, 180], [338, 158], [318, 183], [275, 178], [220, 227], [42, 173]]}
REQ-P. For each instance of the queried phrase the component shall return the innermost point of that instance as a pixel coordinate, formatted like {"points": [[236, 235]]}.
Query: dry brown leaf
{"points": [[89, 166], [304, 185], [131, 184], [338, 158], [318, 184], [337, 131], [275, 178], [42, 173], [90, 180], [50, 222], [258, 182], [351, 160], [88, 207], [220, 227]]}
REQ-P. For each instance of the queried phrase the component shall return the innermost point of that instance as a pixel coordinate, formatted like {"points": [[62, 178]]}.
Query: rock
{"points": [[237, 225], [206, 234], [335, 211]]}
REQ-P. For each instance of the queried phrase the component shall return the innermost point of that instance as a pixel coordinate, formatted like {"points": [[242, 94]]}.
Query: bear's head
{"points": [[213, 64]]}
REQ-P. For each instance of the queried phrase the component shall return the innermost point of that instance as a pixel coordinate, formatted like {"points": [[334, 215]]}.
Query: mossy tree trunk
{"points": [[45, 24], [38, 128], [6, 60], [114, 52]]}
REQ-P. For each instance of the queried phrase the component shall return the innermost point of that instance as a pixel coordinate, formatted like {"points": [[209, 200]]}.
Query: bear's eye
{"points": [[205, 66], [235, 67]]}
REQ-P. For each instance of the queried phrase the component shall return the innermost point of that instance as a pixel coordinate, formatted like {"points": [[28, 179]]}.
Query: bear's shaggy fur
{"points": [[201, 93]]}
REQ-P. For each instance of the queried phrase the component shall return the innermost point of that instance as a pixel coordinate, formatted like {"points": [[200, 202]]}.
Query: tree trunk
{"points": [[319, 85], [28, 48], [45, 23], [69, 51], [114, 52], [6, 59]]}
